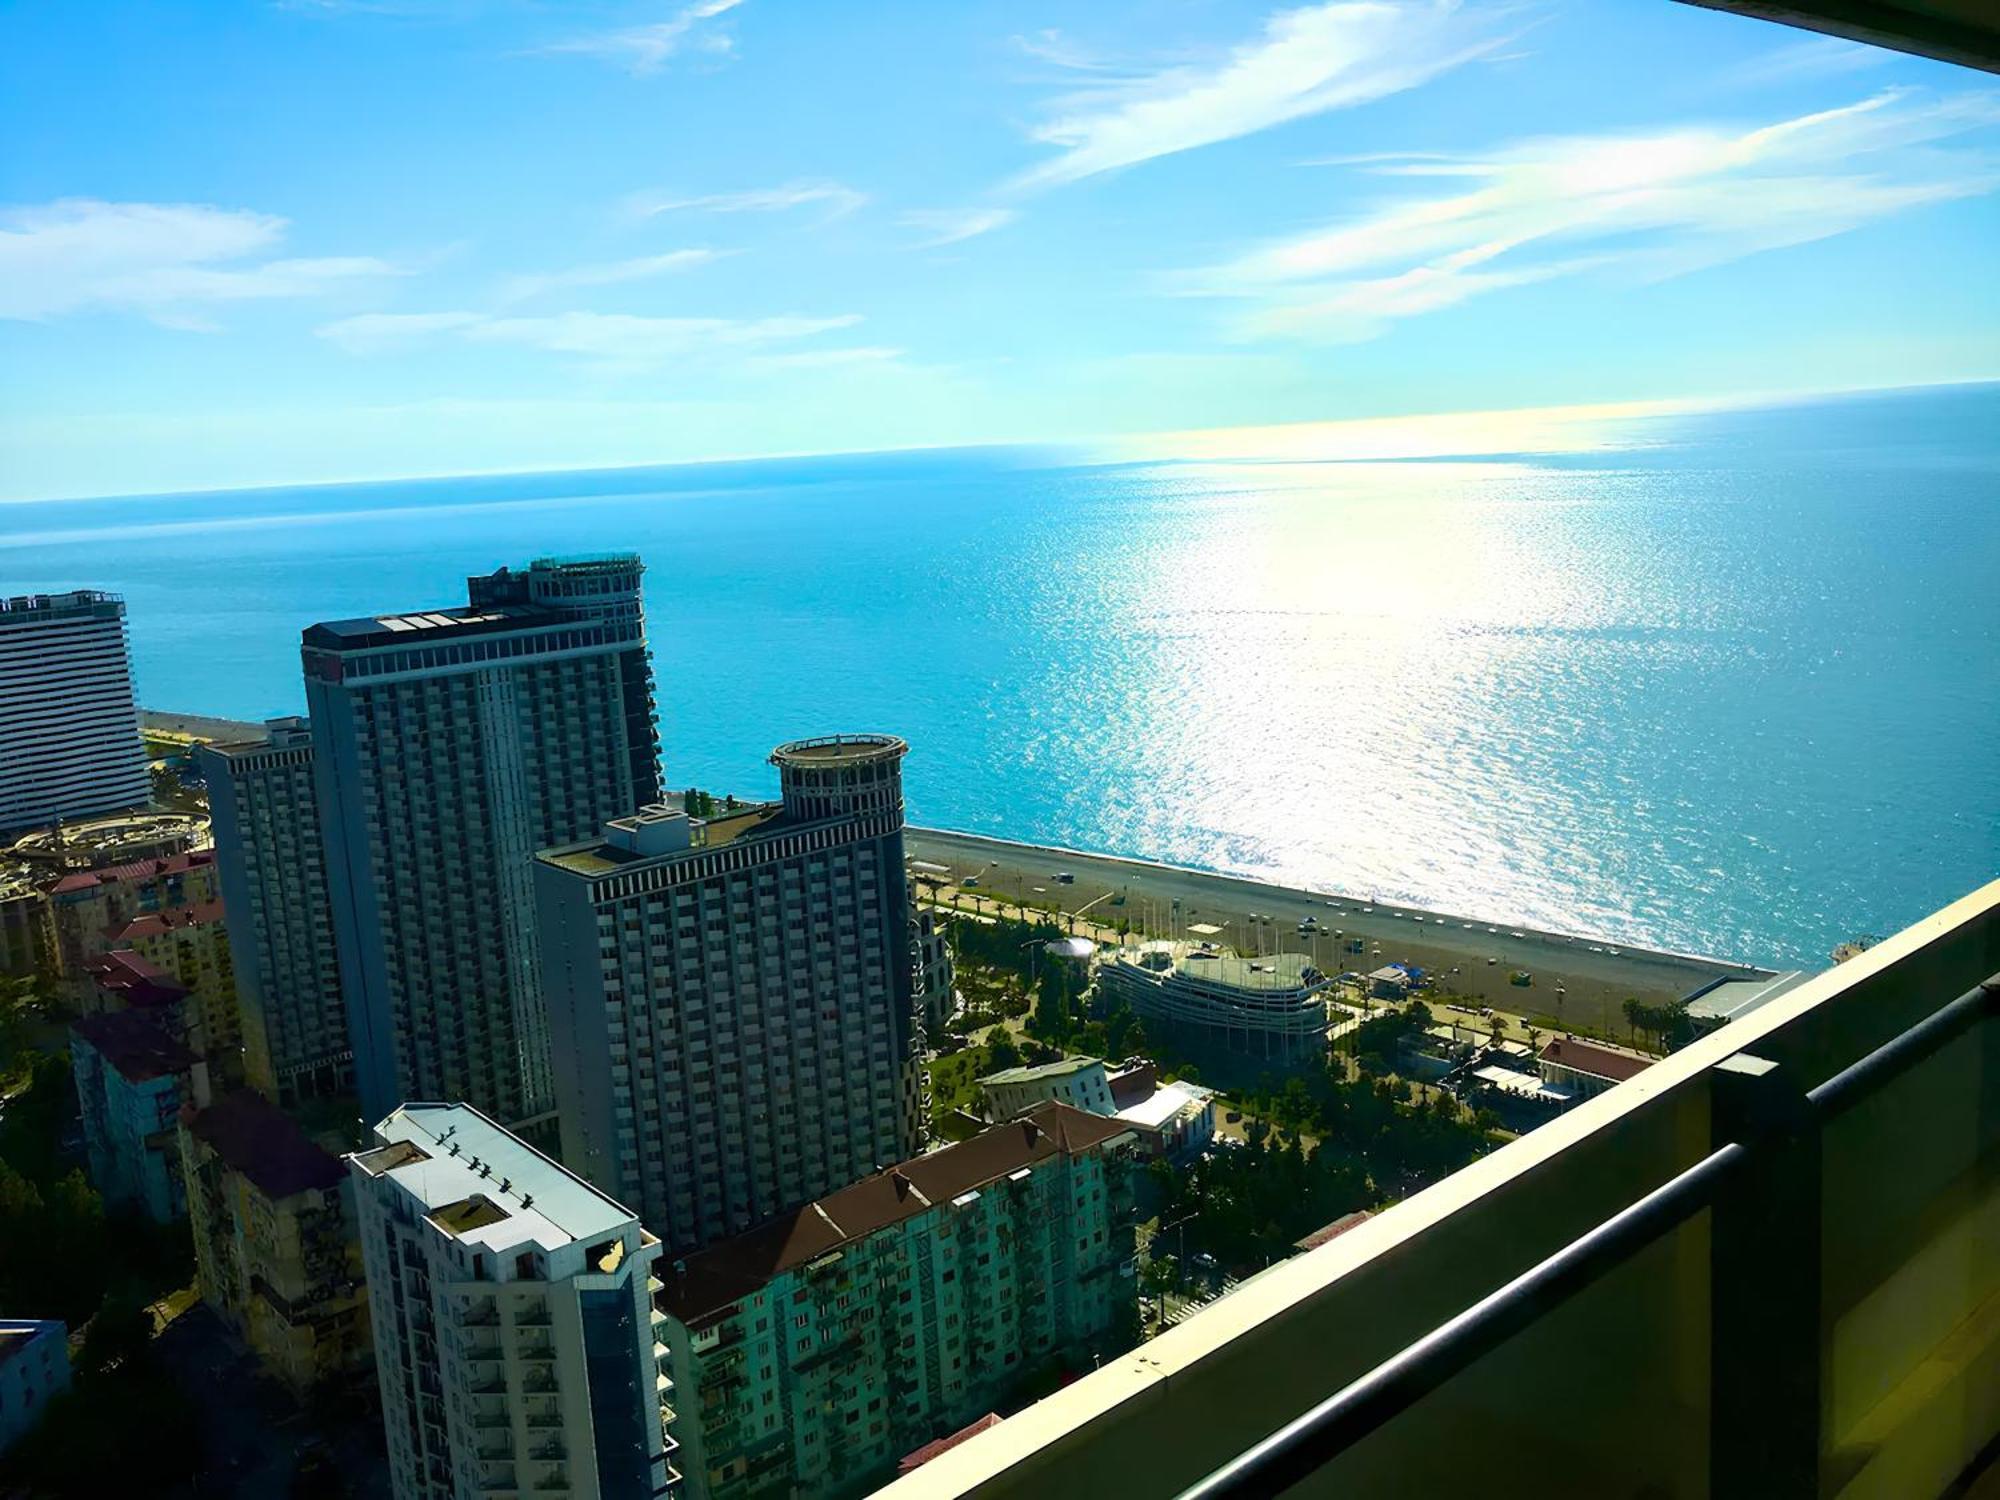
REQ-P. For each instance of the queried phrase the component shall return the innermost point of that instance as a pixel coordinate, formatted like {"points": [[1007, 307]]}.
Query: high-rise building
{"points": [[515, 1340], [821, 1348], [936, 973], [273, 875], [69, 725], [730, 998], [449, 746], [276, 1253]]}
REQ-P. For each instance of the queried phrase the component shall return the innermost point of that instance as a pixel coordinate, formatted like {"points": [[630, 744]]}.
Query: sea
{"points": [[1718, 679]]}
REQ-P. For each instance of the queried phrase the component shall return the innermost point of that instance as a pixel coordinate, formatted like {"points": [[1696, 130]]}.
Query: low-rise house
{"points": [[1177, 1118], [277, 1252], [132, 1076], [88, 908], [1586, 1068], [1080, 1082], [819, 1350], [34, 1369]]}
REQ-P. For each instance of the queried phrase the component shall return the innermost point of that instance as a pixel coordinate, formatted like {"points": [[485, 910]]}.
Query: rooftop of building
{"points": [[830, 749], [1167, 1102], [425, 626], [1595, 1059], [1223, 966], [630, 840], [76, 601], [140, 983], [254, 1137], [709, 1281], [173, 919], [136, 870], [134, 1043], [1327, 1233], [16, 1334], [483, 1185], [1061, 1068], [1727, 998], [921, 1456]]}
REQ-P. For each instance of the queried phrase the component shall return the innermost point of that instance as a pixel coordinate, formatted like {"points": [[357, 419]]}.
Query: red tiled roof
{"points": [[712, 1278], [144, 869], [1599, 1062], [913, 1461], [1327, 1233], [135, 1043], [125, 974], [152, 923], [265, 1144]]}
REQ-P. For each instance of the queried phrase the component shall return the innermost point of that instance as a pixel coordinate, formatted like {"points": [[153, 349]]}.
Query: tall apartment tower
{"points": [[265, 817], [514, 1327], [69, 726], [730, 998], [450, 745]]}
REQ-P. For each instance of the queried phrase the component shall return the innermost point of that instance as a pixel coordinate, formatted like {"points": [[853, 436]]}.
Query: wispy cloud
{"points": [[521, 288], [1306, 62], [1817, 57], [837, 197], [947, 226], [618, 339], [169, 262], [1646, 206], [874, 355], [645, 49]]}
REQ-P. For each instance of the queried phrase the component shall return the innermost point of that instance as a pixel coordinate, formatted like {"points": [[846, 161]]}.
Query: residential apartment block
{"points": [[69, 725], [272, 865], [515, 1339], [34, 1369], [132, 1076], [937, 976], [89, 908], [731, 999], [276, 1252], [449, 745], [190, 946], [819, 1350]]}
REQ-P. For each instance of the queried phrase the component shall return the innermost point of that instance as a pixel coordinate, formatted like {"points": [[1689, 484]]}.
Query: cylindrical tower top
{"points": [[838, 775]]}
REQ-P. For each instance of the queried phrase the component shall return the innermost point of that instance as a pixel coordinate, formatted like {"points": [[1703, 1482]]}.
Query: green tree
{"points": [[1001, 1052]]}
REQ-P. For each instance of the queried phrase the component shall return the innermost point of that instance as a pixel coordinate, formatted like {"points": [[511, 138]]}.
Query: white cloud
{"points": [[1648, 206], [378, 333], [1307, 61], [838, 198], [606, 273], [645, 49], [829, 359], [167, 261], [620, 339], [947, 226], [1817, 57]]}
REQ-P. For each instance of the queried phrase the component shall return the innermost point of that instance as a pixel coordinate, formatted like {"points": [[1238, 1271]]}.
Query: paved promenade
{"points": [[1594, 978]]}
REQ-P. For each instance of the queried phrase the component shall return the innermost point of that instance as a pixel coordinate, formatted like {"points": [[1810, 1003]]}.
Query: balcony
{"points": [[1767, 1266]]}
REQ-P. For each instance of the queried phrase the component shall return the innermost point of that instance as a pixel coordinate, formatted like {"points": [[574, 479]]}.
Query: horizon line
{"points": [[1114, 450]]}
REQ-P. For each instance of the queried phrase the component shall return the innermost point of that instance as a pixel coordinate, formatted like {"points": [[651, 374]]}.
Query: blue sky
{"points": [[329, 239]]}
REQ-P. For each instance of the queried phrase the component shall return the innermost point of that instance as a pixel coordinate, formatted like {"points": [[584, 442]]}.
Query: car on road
{"points": [[1063, 877], [969, 881]]}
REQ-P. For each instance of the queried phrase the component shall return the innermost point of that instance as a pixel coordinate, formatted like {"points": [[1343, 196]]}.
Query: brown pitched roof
{"points": [[131, 978], [145, 869], [1600, 1062], [146, 924], [135, 1043], [265, 1144], [712, 1278]]}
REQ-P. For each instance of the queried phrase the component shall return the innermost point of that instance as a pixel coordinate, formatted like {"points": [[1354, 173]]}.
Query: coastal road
{"points": [[1595, 978]]}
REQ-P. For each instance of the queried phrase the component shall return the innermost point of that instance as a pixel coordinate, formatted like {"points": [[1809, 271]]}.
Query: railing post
{"points": [[1764, 1297]]}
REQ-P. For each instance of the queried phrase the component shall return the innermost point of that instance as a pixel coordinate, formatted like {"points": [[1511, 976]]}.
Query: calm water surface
{"points": [[1732, 686]]}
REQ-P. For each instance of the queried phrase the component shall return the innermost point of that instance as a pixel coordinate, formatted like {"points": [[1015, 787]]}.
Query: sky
{"points": [[315, 240]]}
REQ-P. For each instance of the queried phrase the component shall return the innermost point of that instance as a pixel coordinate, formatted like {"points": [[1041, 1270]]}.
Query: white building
{"points": [[1077, 1081], [69, 727], [1272, 1007], [514, 1329], [34, 1368]]}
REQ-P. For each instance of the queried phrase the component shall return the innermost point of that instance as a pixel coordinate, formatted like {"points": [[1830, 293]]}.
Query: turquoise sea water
{"points": [[1728, 683]]}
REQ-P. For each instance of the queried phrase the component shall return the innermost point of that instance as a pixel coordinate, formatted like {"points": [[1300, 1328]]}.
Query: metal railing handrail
{"points": [[1315, 1438]]}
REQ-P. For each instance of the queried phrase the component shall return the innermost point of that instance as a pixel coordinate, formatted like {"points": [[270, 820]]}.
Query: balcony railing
{"points": [[1769, 1265]]}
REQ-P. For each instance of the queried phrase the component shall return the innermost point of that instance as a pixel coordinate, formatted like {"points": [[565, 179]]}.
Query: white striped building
{"points": [[69, 727]]}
